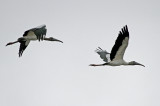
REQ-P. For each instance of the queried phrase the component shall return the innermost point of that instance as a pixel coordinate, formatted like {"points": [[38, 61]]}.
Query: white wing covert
{"points": [[39, 31]]}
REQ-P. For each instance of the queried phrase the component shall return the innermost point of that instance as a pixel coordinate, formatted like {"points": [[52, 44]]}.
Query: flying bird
{"points": [[115, 58], [38, 33]]}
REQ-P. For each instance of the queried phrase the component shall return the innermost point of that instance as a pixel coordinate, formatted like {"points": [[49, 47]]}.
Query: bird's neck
{"points": [[47, 39]]}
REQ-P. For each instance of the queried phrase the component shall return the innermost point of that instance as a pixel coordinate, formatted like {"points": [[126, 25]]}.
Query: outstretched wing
{"points": [[103, 54], [39, 32], [23, 45], [120, 45]]}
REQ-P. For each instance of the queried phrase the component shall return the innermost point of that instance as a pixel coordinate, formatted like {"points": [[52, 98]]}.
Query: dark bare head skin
{"points": [[135, 63]]}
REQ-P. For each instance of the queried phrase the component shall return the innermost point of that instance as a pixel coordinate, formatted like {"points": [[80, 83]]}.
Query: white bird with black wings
{"points": [[37, 33], [115, 58]]}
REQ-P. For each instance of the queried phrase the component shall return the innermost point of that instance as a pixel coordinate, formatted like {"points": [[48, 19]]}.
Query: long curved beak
{"points": [[58, 40], [140, 64]]}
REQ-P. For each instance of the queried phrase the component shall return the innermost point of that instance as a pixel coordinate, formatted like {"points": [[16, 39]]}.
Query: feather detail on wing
{"points": [[23, 45], [120, 45], [39, 32], [103, 54]]}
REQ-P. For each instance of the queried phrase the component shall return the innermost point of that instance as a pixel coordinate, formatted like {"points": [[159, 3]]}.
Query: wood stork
{"points": [[37, 33], [115, 58]]}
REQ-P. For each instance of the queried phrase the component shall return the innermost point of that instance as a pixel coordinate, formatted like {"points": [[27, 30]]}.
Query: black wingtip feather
{"points": [[122, 34]]}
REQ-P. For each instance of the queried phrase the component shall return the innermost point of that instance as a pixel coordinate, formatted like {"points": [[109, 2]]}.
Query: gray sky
{"points": [[55, 74]]}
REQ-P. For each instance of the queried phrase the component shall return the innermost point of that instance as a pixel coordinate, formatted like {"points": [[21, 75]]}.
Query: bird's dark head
{"points": [[135, 63], [53, 39]]}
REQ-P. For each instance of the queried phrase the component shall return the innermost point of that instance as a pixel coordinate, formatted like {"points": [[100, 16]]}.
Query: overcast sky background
{"points": [[56, 74]]}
